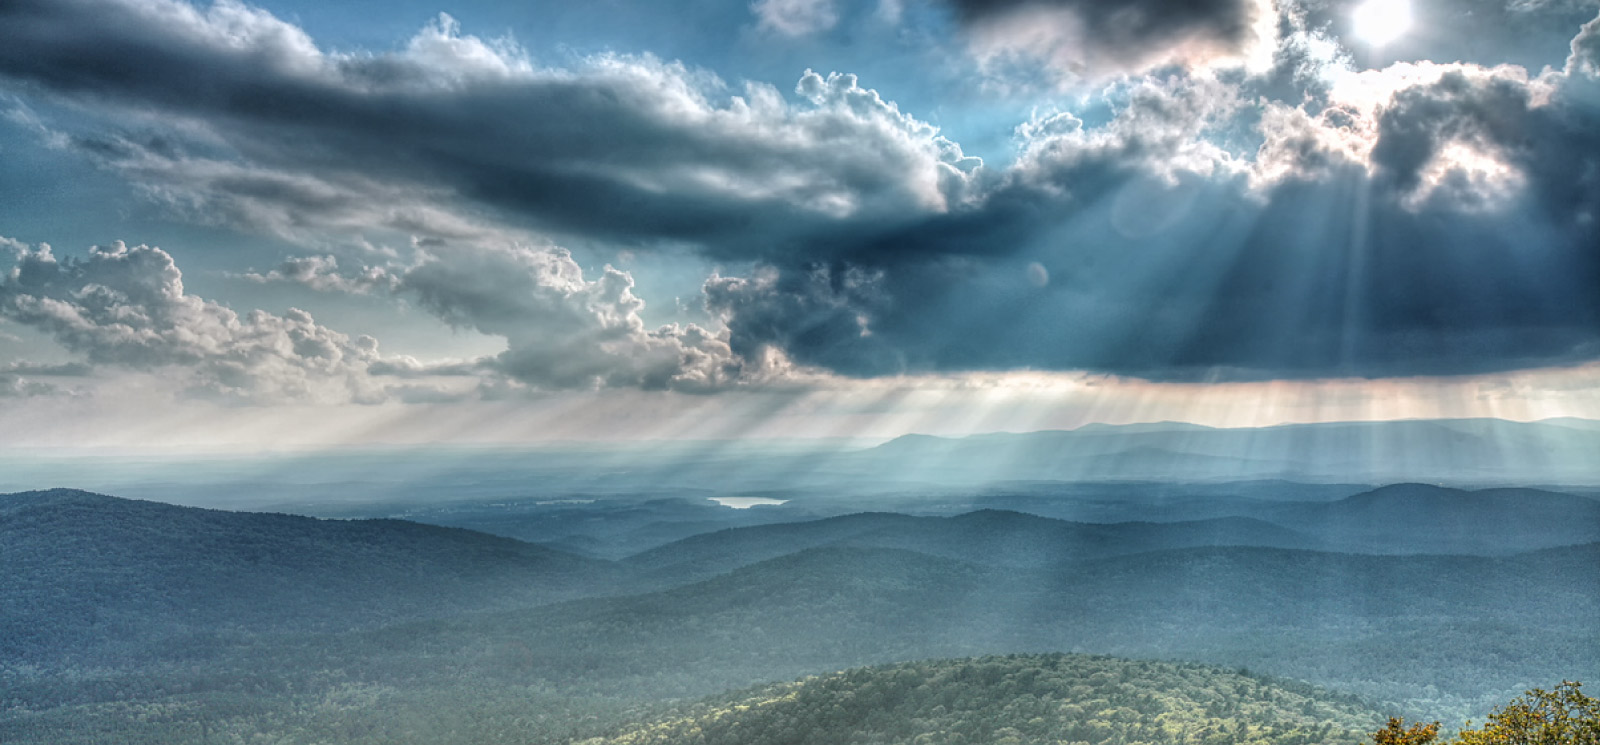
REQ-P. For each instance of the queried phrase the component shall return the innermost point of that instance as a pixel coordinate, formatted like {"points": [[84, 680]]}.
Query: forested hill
{"points": [[995, 537], [82, 567], [1015, 700]]}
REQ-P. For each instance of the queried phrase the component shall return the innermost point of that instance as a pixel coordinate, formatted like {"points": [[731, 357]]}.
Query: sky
{"points": [[299, 224]]}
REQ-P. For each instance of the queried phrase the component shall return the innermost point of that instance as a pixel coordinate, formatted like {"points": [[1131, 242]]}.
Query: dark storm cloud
{"points": [[1462, 239], [624, 149], [1230, 290], [1551, 147]]}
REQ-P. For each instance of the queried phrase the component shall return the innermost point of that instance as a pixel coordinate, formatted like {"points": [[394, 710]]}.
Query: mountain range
{"points": [[1429, 598], [1457, 451]]}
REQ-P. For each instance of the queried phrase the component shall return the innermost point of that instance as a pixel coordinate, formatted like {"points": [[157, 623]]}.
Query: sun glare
{"points": [[1378, 22]]}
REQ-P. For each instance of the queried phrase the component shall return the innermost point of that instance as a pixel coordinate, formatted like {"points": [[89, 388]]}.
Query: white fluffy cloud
{"points": [[1585, 57], [1160, 127], [563, 330], [126, 307]]}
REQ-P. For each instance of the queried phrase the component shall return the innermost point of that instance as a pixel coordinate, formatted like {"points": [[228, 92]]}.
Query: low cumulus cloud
{"points": [[1197, 220], [561, 329], [126, 307]]}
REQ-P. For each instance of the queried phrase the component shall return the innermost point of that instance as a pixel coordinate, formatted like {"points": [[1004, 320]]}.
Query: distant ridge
{"points": [[1458, 451], [1161, 426], [1425, 518]]}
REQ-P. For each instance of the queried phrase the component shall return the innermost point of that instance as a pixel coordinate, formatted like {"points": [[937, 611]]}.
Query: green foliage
{"points": [[1015, 699], [1396, 733], [1563, 716]]}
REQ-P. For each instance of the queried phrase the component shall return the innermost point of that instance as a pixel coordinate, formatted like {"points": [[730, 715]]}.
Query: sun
{"points": [[1378, 22]]}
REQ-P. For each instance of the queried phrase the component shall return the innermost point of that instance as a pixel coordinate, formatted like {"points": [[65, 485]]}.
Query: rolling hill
{"points": [[1015, 700], [1442, 634], [107, 601], [82, 567], [995, 537]]}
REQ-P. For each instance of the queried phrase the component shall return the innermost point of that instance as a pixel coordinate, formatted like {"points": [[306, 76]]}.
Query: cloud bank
{"points": [[1202, 216]]}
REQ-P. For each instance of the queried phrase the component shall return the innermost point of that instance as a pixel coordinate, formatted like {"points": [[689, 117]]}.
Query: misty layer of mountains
{"points": [[1458, 451], [139, 621], [908, 474]]}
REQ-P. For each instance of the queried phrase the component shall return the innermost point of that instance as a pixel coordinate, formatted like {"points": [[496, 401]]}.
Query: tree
{"points": [[1563, 716], [1397, 733]]}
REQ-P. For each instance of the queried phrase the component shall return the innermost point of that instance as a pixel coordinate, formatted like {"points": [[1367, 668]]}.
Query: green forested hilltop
{"points": [[1013, 700]]}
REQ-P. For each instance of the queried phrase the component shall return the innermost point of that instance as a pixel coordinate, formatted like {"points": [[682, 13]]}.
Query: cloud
{"points": [[15, 386], [821, 314], [1310, 219], [1459, 138], [127, 307], [20, 379], [796, 17], [322, 273], [563, 330], [1585, 57], [622, 148], [1085, 40], [1160, 126], [62, 370], [1417, 220]]}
